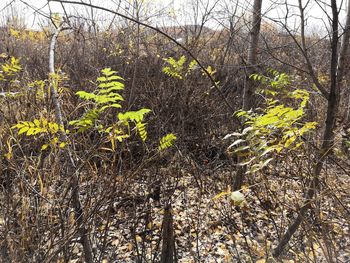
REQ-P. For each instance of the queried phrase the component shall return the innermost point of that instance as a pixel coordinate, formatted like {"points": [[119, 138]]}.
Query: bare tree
{"points": [[336, 77]]}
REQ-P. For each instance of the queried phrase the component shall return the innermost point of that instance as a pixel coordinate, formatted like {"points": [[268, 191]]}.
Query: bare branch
{"points": [[214, 83]]}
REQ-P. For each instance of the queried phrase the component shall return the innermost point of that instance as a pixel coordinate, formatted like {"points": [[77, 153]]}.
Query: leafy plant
{"points": [[276, 128], [38, 87], [41, 126], [37, 126], [176, 68], [57, 79], [107, 96], [9, 69]]}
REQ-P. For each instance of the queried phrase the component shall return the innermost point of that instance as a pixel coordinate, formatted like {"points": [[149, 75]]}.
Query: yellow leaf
{"points": [[62, 145], [37, 122], [138, 238], [244, 188], [261, 260], [218, 196], [54, 140], [30, 131], [23, 130], [15, 33], [9, 154], [130, 246], [44, 146]]}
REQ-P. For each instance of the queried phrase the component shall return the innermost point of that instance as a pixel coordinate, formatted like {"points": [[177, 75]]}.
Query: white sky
{"points": [[184, 10]]}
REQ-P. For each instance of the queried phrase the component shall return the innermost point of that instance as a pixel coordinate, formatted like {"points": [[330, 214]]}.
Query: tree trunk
{"points": [[70, 165], [168, 247], [249, 89]]}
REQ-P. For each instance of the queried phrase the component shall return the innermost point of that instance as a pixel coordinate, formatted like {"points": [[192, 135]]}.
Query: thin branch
{"points": [[214, 83]]}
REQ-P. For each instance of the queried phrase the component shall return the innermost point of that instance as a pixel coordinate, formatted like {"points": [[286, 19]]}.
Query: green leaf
{"points": [[136, 116], [30, 131], [86, 95], [241, 113], [166, 141], [110, 87], [108, 72]]}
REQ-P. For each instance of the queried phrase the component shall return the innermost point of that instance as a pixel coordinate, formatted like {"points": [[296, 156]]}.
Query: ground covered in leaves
{"points": [[211, 228]]}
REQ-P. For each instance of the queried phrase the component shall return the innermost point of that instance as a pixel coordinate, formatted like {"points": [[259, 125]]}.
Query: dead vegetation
{"points": [[142, 205]]}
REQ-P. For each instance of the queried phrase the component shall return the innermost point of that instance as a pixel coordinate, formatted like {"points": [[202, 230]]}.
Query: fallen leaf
{"points": [[237, 197]]}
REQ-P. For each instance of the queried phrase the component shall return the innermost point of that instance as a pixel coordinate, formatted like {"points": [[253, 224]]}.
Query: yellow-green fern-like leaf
{"points": [[136, 116], [141, 130], [37, 126], [166, 141], [175, 68], [86, 121]]}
